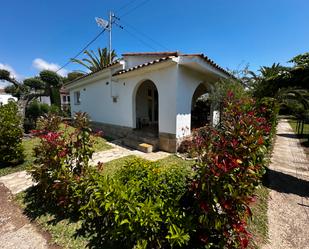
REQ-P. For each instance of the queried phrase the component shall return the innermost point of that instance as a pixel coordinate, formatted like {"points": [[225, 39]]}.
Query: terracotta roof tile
{"points": [[163, 54], [166, 56], [175, 54], [91, 73]]}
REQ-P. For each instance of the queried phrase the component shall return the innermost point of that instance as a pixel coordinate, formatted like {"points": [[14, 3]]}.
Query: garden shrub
{"points": [[35, 110], [62, 157], [185, 146], [11, 133], [230, 167], [138, 207]]}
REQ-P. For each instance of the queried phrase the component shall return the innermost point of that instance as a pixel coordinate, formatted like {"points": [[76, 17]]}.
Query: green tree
{"points": [[96, 62], [47, 83], [73, 76], [11, 133]]}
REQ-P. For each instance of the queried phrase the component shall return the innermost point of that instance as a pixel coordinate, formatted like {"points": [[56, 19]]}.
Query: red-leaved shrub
{"points": [[230, 167]]}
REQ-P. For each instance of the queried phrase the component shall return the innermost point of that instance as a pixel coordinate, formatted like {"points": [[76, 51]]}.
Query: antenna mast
{"points": [[110, 25]]}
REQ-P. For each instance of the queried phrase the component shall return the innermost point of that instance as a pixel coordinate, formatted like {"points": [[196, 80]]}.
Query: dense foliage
{"points": [[11, 134], [136, 208], [35, 110], [47, 83], [230, 167], [61, 157], [288, 84], [96, 61]]}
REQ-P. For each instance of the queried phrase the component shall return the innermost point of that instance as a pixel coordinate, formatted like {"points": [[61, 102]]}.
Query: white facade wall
{"points": [[112, 100], [187, 83], [4, 98], [97, 98]]}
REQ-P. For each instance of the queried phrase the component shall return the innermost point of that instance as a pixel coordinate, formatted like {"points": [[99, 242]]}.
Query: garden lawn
{"points": [[100, 143], [29, 144], [258, 225]]}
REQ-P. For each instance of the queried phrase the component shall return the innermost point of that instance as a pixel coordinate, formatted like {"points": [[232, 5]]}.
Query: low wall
{"points": [[114, 131]]}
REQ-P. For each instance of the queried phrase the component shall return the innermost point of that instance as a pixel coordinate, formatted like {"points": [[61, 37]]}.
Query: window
{"points": [[77, 97], [68, 98], [64, 98]]}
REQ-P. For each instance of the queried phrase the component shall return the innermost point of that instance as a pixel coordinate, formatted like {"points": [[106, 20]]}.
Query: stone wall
{"points": [[113, 131], [168, 142]]}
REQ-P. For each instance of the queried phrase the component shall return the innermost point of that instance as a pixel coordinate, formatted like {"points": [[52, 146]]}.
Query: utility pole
{"points": [[111, 15], [108, 25]]}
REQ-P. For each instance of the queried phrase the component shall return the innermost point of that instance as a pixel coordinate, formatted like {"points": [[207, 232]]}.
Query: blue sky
{"points": [[38, 34]]}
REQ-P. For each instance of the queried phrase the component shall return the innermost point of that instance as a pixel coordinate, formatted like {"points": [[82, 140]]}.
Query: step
{"points": [[138, 145], [154, 141], [146, 148]]}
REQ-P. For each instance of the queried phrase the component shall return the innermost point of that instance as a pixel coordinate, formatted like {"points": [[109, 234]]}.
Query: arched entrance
{"points": [[147, 107], [200, 107]]}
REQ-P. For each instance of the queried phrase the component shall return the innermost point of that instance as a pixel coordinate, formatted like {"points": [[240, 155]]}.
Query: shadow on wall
{"points": [[285, 183]]}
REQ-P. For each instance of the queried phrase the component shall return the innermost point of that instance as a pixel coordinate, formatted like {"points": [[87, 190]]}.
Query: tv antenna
{"points": [[108, 25]]}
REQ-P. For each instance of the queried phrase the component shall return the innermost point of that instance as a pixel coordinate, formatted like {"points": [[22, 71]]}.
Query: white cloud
{"points": [[41, 64], [13, 74]]}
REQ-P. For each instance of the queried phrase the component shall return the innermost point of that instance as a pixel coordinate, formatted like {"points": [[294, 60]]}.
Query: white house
{"points": [[5, 97], [147, 95]]}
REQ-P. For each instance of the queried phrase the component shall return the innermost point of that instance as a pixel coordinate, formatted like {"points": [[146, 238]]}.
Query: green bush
{"points": [[11, 134], [35, 110], [61, 157], [136, 208], [230, 167]]}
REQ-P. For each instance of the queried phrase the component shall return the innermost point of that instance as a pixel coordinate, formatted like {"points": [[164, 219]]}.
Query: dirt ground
{"points": [[16, 231]]}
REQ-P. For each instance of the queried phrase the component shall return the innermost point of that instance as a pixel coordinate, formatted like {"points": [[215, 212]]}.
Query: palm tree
{"points": [[96, 62], [295, 99]]}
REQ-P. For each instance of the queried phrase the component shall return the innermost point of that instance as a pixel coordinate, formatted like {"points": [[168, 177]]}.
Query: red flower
{"points": [[260, 140], [230, 94], [204, 206], [244, 242]]}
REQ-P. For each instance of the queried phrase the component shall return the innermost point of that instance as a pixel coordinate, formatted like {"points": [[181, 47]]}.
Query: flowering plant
{"points": [[62, 157], [230, 165]]}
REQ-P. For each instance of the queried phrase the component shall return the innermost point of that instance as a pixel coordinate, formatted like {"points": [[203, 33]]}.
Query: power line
{"points": [[84, 48], [125, 5], [138, 6], [146, 36], [136, 37]]}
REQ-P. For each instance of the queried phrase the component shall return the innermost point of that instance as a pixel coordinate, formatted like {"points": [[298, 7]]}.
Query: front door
{"points": [[153, 109]]}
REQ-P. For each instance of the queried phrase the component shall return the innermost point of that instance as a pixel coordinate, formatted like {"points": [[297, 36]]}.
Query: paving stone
{"points": [[20, 181], [289, 183]]}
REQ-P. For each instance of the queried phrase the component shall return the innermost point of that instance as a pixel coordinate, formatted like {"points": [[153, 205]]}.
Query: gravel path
{"points": [[288, 207]]}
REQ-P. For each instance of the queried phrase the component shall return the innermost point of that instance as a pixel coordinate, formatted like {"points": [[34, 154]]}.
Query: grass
{"points": [[28, 144], [258, 225], [100, 144], [112, 166], [64, 231], [305, 136]]}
